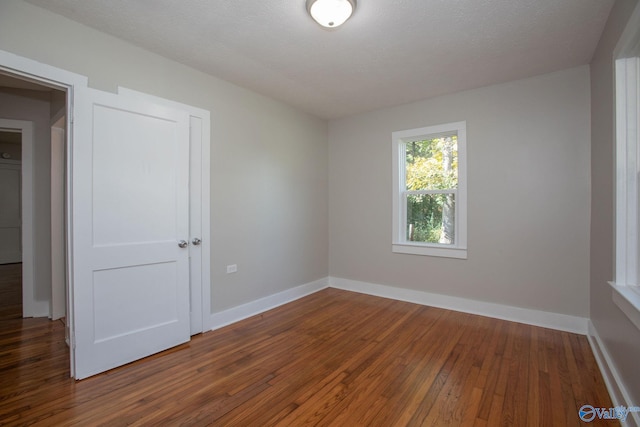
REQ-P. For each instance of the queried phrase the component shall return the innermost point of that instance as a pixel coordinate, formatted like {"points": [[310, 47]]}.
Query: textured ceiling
{"points": [[390, 52]]}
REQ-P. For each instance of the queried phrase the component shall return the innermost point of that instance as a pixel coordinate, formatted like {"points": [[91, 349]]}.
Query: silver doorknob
{"points": [[183, 243], [196, 241]]}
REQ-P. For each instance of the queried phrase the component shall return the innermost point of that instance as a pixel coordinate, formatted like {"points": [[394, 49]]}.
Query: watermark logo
{"points": [[589, 413]]}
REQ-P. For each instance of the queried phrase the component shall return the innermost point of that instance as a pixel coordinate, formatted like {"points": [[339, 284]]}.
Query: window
{"points": [[627, 169], [429, 191], [627, 68], [626, 286]]}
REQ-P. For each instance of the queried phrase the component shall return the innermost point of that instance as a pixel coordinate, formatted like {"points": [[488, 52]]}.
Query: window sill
{"points": [[439, 251], [627, 298]]}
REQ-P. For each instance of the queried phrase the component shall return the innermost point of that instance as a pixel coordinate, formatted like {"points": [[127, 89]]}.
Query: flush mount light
{"points": [[331, 13]]}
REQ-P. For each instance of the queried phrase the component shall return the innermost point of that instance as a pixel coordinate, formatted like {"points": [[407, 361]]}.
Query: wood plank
{"points": [[333, 358]]}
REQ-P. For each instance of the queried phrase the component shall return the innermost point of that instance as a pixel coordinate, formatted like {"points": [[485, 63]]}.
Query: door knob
{"points": [[196, 241], [183, 243]]}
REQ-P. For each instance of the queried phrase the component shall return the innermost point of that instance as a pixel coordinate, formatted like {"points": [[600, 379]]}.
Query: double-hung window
{"points": [[429, 191]]}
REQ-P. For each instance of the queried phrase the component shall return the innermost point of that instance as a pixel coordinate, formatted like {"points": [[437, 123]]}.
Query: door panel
{"points": [[134, 184], [130, 210], [153, 284]]}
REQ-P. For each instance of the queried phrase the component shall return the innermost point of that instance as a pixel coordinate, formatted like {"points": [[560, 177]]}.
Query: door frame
{"points": [[57, 303], [65, 80]]}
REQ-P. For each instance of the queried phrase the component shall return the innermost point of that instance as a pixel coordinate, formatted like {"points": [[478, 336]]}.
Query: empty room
{"points": [[320, 212]]}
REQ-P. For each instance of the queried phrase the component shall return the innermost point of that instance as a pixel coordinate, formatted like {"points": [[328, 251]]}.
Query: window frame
{"points": [[626, 284], [400, 244]]}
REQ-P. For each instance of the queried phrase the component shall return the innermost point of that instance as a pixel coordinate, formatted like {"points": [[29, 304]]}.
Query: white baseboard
{"points": [[34, 308], [235, 314], [612, 379], [544, 319]]}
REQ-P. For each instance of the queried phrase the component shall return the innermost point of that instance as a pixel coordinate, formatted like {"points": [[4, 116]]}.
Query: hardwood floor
{"points": [[333, 358]]}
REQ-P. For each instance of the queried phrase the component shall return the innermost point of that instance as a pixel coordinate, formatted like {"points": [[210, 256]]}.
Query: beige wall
{"points": [[268, 166], [528, 195], [620, 337]]}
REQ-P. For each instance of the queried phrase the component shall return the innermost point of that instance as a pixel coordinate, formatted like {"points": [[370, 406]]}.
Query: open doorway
{"points": [[28, 264]]}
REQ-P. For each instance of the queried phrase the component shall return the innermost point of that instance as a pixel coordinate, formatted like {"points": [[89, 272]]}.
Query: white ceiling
{"points": [[390, 52]]}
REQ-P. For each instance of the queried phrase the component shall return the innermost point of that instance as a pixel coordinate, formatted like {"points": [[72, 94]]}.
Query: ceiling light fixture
{"points": [[331, 13]]}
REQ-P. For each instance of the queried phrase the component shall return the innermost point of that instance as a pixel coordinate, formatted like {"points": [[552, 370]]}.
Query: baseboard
{"points": [[34, 308], [612, 379], [235, 314], [544, 319]]}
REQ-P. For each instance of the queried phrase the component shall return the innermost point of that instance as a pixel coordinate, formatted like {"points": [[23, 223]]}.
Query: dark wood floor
{"points": [[333, 358]]}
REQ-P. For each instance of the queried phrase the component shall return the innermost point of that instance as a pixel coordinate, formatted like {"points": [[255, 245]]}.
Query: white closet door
{"points": [[130, 213]]}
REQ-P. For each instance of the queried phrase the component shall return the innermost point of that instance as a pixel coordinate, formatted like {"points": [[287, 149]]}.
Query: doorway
{"points": [[25, 119]]}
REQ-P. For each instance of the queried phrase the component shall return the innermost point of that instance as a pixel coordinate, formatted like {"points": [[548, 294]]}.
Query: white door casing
{"points": [[58, 247], [130, 210]]}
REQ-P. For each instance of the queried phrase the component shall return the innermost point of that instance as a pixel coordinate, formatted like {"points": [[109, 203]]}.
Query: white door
{"points": [[130, 212], [199, 136], [10, 214], [195, 224]]}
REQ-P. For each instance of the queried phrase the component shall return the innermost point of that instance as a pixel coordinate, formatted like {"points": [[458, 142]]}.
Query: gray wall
{"points": [[528, 195], [268, 165], [620, 337]]}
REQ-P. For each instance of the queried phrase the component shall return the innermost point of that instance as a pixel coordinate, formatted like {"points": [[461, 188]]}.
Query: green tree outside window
{"points": [[431, 181]]}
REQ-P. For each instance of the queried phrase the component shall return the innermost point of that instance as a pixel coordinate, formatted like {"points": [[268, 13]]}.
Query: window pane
{"points": [[432, 164], [430, 218]]}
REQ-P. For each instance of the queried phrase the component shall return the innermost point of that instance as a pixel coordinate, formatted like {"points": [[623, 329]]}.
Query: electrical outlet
{"points": [[232, 268]]}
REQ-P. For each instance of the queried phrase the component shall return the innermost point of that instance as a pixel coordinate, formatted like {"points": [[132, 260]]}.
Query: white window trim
{"points": [[626, 289], [399, 241]]}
